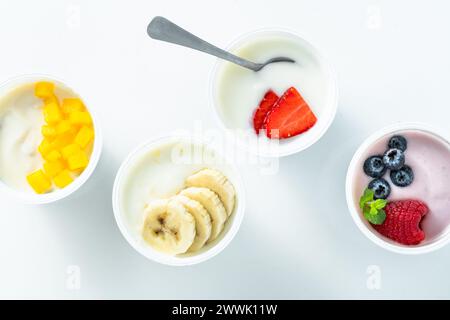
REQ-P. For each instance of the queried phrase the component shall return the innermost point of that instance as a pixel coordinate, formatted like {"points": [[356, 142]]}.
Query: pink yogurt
{"points": [[429, 157]]}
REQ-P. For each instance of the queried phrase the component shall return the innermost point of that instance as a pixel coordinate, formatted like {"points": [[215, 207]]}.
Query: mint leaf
{"points": [[369, 217], [366, 197], [372, 209], [379, 204], [379, 217]]}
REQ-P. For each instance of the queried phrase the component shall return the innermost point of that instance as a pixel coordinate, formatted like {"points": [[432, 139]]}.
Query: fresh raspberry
{"points": [[402, 222]]}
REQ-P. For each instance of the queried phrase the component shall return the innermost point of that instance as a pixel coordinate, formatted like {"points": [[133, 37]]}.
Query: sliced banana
{"points": [[212, 204], [202, 221], [168, 227], [217, 182]]}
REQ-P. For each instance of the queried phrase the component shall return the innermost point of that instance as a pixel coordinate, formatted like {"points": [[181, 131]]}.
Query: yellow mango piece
{"points": [[45, 147], [63, 179], [80, 117], [51, 99], [53, 155], [62, 140], [52, 168], [69, 150], [63, 127], [48, 131], [77, 161], [70, 105], [84, 136], [44, 89], [52, 113], [39, 182]]}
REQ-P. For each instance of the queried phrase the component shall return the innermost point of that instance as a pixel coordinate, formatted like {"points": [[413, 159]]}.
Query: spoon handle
{"points": [[162, 29]]}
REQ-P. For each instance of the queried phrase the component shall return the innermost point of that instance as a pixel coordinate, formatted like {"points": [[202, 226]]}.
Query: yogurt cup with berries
{"points": [[50, 141], [398, 186], [283, 108]]}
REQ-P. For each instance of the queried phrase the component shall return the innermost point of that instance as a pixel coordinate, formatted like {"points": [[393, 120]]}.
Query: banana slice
{"points": [[212, 204], [217, 182], [168, 227], [202, 221]]}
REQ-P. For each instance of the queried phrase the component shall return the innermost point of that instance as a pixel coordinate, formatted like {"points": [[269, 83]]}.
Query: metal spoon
{"points": [[162, 29]]}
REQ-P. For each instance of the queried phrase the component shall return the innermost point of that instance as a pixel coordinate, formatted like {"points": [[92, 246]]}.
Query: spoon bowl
{"points": [[274, 60]]}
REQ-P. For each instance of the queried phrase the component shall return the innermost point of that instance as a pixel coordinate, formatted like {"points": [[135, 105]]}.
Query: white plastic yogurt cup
{"points": [[312, 75], [437, 239], [33, 198], [141, 179]]}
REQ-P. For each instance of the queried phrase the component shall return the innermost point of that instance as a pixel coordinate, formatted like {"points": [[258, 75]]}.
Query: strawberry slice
{"points": [[264, 108], [290, 116]]}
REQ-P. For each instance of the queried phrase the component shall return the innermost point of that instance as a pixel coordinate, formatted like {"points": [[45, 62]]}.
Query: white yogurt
{"points": [[160, 173], [20, 135], [21, 119], [237, 91]]}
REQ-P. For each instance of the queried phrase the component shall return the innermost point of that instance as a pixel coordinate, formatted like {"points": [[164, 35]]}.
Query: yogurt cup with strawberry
{"points": [[285, 107], [398, 188]]}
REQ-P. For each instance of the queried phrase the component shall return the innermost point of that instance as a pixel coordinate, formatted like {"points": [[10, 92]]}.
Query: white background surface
{"points": [[297, 239]]}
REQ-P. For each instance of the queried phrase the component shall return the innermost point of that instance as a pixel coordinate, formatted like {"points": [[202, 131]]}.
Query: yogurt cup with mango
{"points": [[49, 139]]}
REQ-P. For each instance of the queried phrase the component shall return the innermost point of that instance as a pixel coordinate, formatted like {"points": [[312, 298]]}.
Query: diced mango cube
{"points": [[45, 147], [72, 104], [62, 140], [77, 161], [51, 99], [84, 136], [53, 155], [63, 127], [43, 89], [80, 117], [39, 182], [63, 179], [52, 113], [69, 150], [48, 131], [53, 168]]}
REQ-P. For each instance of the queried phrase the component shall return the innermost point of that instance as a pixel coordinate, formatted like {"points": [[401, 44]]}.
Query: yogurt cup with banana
{"points": [[178, 201]]}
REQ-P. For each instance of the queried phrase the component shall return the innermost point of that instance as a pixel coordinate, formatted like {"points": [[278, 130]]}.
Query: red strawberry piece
{"points": [[290, 116], [264, 108], [402, 222]]}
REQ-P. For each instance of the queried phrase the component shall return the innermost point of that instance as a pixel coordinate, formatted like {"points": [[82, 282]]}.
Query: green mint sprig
{"points": [[373, 210]]}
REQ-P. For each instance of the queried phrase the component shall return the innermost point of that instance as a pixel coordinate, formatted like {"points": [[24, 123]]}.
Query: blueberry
{"points": [[374, 167], [402, 177], [398, 142], [394, 159], [380, 187]]}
